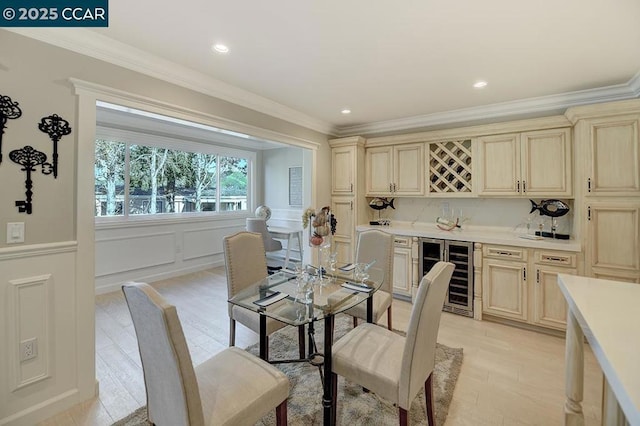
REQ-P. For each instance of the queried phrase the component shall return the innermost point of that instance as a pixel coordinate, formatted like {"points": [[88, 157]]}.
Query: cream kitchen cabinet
{"points": [[521, 284], [348, 203], [533, 164], [402, 266], [344, 164], [613, 240], [504, 282], [613, 157], [396, 170], [548, 305]]}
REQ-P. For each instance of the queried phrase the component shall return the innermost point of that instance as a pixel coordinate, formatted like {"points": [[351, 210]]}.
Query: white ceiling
{"points": [[395, 64]]}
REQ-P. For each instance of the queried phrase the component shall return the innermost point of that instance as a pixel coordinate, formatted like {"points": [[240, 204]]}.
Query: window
{"points": [[134, 178]]}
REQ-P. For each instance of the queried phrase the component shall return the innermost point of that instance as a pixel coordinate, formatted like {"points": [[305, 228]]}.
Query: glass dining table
{"points": [[279, 296]]}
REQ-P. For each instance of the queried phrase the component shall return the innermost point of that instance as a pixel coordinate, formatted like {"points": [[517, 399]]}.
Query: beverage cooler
{"points": [[459, 299]]}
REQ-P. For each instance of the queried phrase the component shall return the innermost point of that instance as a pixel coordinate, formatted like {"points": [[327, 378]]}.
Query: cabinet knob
{"points": [[518, 186]]}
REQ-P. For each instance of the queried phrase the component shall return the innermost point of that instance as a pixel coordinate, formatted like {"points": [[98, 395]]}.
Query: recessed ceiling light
{"points": [[220, 48], [480, 84], [346, 111]]}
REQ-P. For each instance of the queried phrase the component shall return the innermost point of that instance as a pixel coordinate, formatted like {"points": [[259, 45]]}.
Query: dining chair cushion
{"points": [[381, 302], [251, 320], [229, 398], [372, 357]]}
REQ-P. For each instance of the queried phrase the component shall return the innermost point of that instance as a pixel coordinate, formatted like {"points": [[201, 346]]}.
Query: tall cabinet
{"points": [[348, 202], [609, 182]]}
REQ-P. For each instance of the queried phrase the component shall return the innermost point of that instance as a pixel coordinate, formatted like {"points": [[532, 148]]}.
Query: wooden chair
{"points": [[231, 388], [245, 265], [376, 245], [392, 366]]}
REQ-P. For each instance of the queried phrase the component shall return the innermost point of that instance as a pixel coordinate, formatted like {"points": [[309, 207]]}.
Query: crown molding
{"points": [[552, 104], [100, 47]]}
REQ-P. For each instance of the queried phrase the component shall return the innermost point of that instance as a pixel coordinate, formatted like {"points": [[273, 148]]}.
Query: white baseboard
{"points": [[39, 412], [116, 286]]}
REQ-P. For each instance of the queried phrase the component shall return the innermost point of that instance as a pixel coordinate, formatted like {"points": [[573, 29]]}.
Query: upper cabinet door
{"points": [[546, 163], [498, 161], [408, 165], [379, 167], [343, 164], [613, 166]]}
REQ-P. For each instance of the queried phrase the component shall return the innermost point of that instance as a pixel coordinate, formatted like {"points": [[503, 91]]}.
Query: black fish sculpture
{"points": [[551, 208], [381, 203]]}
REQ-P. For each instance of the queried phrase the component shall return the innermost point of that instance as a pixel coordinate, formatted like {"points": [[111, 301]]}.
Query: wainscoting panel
{"points": [[204, 241], [29, 320], [127, 253], [38, 300]]}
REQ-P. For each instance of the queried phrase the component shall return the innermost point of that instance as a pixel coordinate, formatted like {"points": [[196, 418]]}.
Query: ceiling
{"points": [[396, 65]]}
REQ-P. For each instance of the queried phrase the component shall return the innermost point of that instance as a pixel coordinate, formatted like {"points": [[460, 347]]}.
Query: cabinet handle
{"points": [[504, 253], [518, 187], [538, 276], [394, 187], [524, 273], [351, 205], [589, 185], [524, 186], [390, 187], [351, 188], [589, 213]]}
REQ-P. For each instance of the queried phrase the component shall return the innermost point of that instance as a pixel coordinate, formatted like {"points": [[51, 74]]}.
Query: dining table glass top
{"points": [[280, 296]]}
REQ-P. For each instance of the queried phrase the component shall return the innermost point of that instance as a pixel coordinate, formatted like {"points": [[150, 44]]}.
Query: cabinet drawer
{"points": [[402, 241], [505, 252], [557, 258]]}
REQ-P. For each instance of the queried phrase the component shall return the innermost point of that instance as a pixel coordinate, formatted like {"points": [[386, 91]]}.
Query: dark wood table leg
{"points": [[264, 343], [327, 400]]}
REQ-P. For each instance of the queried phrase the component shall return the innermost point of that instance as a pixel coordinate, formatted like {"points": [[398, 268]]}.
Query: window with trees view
{"points": [[135, 179]]}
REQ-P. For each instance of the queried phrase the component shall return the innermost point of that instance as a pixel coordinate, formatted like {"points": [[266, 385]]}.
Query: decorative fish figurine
{"points": [[381, 203], [551, 208]]}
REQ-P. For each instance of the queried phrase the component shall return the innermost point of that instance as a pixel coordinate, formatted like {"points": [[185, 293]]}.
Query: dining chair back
{"points": [[375, 245], [393, 366], [418, 358], [246, 264], [233, 387]]}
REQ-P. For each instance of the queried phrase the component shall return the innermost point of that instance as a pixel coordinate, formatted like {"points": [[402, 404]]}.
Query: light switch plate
{"points": [[15, 232]]}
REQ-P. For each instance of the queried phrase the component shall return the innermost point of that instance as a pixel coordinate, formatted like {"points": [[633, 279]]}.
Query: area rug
{"points": [[354, 406]]}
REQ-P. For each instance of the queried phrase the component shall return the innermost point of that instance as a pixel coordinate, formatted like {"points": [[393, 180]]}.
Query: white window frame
{"points": [[141, 138]]}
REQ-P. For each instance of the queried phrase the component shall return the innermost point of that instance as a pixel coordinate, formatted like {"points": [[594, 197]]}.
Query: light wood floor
{"points": [[509, 376]]}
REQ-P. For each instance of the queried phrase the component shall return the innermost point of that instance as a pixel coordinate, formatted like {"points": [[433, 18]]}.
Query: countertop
{"points": [[608, 314], [476, 234]]}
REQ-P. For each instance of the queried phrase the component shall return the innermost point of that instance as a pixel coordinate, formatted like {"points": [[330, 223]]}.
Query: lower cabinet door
{"points": [[402, 271], [549, 305], [504, 288]]}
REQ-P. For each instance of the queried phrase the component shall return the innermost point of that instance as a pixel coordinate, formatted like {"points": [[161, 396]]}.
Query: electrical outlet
{"points": [[28, 349]]}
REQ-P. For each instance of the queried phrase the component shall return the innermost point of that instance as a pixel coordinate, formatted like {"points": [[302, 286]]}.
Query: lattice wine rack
{"points": [[450, 167]]}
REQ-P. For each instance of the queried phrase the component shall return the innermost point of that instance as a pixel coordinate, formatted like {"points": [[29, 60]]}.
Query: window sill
{"points": [[169, 219]]}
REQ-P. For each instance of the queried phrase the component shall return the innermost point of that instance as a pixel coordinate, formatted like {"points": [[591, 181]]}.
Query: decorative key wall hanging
{"points": [[56, 127], [9, 110], [28, 158]]}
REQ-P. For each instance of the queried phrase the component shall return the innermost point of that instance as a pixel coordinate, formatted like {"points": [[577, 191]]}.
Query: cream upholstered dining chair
{"points": [[376, 245], [392, 366], [231, 388], [245, 264], [259, 225]]}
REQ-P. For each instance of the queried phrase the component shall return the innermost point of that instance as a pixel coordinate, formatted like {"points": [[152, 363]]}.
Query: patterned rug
{"points": [[354, 406]]}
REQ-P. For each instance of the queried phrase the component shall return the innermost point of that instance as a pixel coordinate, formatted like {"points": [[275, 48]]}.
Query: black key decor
{"points": [[56, 127], [28, 158], [9, 110]]}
